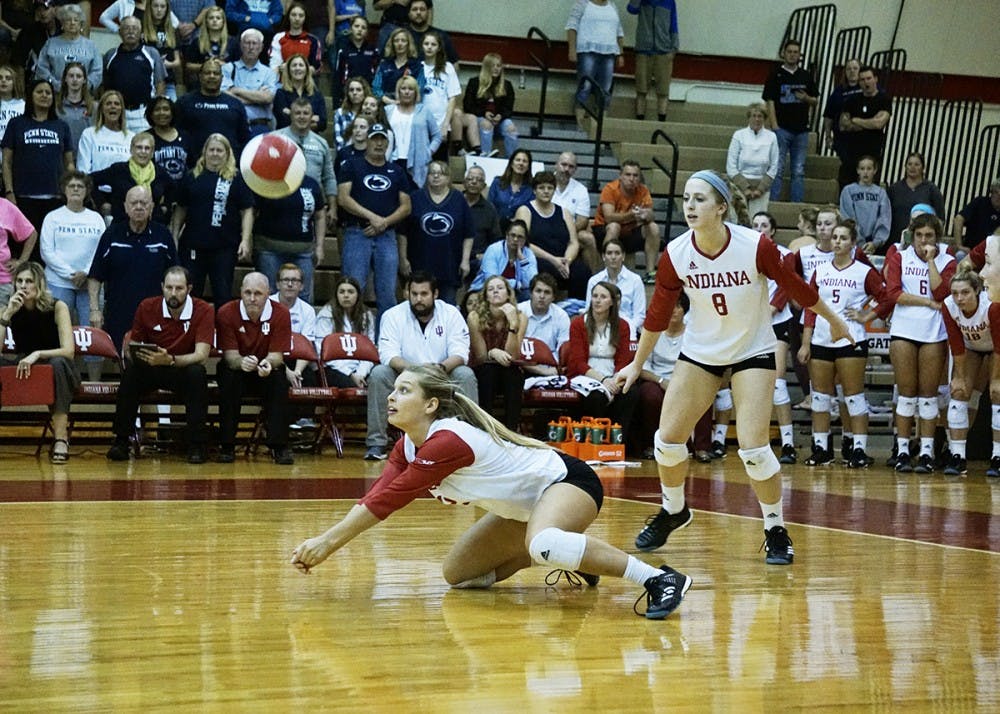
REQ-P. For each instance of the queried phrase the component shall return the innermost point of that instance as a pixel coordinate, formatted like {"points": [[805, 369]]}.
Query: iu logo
{"points": [[348, 343], [8, 341], [527, 349], [265, 328], [439, 330], [187, 326], [83, 338]]}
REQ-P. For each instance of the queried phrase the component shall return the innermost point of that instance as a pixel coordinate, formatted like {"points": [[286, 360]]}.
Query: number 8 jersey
{"points": [[730, 317]]}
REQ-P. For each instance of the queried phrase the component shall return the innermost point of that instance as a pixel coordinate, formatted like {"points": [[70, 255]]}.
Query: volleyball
{"points": [[272, 165]]}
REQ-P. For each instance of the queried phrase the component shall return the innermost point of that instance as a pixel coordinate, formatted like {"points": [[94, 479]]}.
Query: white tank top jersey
{"points": [[916, 322], [977, 329], [843, 289], [811, 257], [462, 465], [785, 313], [730, 317]]}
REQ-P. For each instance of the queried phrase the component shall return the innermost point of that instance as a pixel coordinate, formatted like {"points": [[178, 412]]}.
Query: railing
{"points": [[594, 107], [543, 66], [671, 175]]}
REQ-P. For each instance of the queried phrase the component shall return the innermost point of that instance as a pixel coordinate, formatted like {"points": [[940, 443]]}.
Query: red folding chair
{"points": [[345, 345]]}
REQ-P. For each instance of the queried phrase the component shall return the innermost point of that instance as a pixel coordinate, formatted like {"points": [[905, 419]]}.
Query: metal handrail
{"points": [[543, 66], [671, 174], [601, 99]]}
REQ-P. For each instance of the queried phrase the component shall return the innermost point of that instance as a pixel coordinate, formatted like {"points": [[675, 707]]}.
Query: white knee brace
{"points": [[958, 414], [558, 548], [820, 402], [781, 392], [944, 396], [857, 404], [996, 417], [668, 454], [928, 408], [723, 400], [906, 406], [760, 463]]}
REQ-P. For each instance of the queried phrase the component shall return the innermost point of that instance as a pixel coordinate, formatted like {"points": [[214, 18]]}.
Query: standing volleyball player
{"points": [[539, 501], [724, 269]]}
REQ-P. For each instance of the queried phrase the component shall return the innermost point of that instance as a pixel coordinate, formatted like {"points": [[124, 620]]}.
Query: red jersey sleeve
{"points": [[579, 348], [809, 319], [770, 263], [780, 299], [875, 287], [893, 271], [668, 289], [623, 352], [401, 482], [944, 289], [994, 316], [955, 340], [793, 261], [978, 255]]}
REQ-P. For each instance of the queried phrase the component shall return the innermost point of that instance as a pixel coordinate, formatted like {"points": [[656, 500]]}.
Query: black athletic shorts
{"points": [[579, 474], [763, 361], [781, 330], [832, 354]]}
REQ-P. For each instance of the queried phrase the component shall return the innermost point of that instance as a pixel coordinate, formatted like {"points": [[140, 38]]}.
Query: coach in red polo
{"points": [[254, 333], [181, 327]]}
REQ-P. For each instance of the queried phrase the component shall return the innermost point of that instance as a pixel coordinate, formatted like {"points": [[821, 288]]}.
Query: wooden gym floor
{"points": [[161, 586]]}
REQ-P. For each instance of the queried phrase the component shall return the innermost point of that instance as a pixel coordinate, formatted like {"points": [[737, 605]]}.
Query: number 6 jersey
{"points": [[730, 318]]}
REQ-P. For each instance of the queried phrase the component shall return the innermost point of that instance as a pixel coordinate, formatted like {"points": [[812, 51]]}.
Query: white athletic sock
{"points": [[821, 439], [673, 498], [787, 435], [638, 572], [719, 432], [902, 445], [927, 446], [996, 448], [773, 515], [861, 441], [957, 448]]}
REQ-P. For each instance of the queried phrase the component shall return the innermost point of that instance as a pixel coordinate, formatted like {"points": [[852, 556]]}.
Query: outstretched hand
{"points": [[627, 375], [311, 553]]}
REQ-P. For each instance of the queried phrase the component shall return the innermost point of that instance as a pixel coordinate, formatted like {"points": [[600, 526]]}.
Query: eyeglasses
{"points": [[435, 173], [290, 281]]}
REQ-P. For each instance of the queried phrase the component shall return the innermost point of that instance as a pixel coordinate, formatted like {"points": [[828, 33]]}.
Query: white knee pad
{"points": [[857, 404], [668, 454], [944, 396], [958, 414], [724, 400], [906, 406], [760, 463], [820, 402], [558, 548], [781, 392], [996, 418], [928, 408]]}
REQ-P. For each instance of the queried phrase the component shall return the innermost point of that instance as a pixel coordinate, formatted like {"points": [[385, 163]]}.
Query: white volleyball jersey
{"points": [[462, 465], [843, 289], [785, 313], [972, 332], [910, 274], [730, 318], [811, 257]]}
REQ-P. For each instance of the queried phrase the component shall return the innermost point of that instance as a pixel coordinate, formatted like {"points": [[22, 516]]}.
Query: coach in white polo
{"points": [[421, 330]]}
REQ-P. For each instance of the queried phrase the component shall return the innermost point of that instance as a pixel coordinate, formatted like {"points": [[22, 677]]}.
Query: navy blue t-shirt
{"points": [[172, 156], [377, 188], [198, 116], [39, 147], [435, 233], [290, 218], [213, 210]]}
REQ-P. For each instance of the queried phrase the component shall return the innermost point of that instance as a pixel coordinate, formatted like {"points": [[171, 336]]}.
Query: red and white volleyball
{"points": [[272, 165]]}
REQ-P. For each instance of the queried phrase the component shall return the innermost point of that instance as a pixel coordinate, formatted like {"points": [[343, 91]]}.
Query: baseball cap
{"points": [[378, 129]]}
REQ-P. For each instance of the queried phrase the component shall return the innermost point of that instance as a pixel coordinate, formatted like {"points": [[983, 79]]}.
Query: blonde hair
{"points": [[228, 170], [434, 382], [482, 310], [150, 32], [390, 51], [308, 85], [45, 302], [204, 38], [487, 84], [99, 114]]}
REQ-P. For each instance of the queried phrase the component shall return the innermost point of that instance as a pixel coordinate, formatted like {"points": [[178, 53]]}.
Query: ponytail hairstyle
{"points": [[434, 382], [969, 276], [739, 209]]}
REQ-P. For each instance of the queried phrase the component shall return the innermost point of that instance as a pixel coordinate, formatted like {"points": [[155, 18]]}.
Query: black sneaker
{"points": [[659, 526], [846, 449], [993, 470], [942, 460], [663, 593], [904, 464], [859, 459], [778, 547], [226, 455], [119, 451], [925, 464], [375, 453], [282, 456], [788, 454], [956, 466], [717, 450], [819, 456], [891, 461]]}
